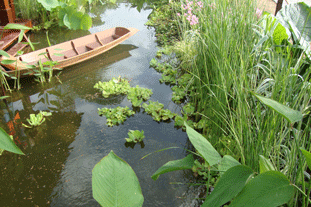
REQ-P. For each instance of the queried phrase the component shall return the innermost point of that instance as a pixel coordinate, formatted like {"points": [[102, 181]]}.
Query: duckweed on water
{"points": [[117, 115]]}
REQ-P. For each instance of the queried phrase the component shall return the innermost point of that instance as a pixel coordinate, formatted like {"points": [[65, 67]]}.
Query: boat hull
{"points": [[69, 53]]}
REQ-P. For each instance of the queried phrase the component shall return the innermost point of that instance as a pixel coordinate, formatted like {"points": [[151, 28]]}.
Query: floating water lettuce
{"points": [[137, 95], [116, 86], [155, 109], [117, 115], [37, 119], [135, 136]]}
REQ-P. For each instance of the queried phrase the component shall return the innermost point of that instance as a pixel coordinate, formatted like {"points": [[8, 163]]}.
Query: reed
{"points": [[223, 54]]}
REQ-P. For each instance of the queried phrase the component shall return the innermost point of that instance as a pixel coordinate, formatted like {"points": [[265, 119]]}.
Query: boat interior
{"points": [[74, 47]]}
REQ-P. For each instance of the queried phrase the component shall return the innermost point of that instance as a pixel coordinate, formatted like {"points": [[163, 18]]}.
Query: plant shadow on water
{"points": [[61, 153]]}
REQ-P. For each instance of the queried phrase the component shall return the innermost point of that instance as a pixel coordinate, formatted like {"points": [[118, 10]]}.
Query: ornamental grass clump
{"points": [[116, 86], [235, 57]]}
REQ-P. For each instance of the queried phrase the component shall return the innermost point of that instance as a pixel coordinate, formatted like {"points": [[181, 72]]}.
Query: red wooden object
{"points": [[7, 12]]}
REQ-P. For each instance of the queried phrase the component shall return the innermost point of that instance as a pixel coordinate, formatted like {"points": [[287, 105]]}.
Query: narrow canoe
{"points": [[70, 52]]}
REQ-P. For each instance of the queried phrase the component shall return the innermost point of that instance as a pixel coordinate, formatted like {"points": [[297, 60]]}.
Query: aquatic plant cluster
{"points": [[248, 85]]}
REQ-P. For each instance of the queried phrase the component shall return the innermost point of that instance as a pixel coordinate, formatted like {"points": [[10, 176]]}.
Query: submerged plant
{"points": [[116, 86], [155, 109], [117, 115], [37, 119], [135, 136], [137, 95]]}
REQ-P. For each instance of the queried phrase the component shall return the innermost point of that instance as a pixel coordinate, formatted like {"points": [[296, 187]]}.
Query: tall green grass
{"points": [[228, 66]]}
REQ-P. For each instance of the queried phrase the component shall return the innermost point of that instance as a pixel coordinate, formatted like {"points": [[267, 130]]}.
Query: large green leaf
{"points": [[203, 146], [226, 163], [3, 53], [8, 144], [182, 164], [228, 186], [265, 164], [279, 34], [296, 17], [16, 26], [49, 4], [86, 22], [307, 155], [291, 115], [114, 183], [269, 189]]}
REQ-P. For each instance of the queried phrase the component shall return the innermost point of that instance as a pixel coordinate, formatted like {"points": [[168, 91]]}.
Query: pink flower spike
{"points": [[178, 14], [258, 12]]}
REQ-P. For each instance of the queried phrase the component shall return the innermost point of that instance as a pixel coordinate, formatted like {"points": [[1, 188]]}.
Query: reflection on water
{"points": [[61, 153]]}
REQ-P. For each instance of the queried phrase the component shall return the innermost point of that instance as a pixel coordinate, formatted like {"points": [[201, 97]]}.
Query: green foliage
{"points": [[201, 169], [49, 4], [7, 143], [307, 155], [69, 13], [163, 19], [182, 164], [178, 94], [265, 164], [291, 115], [37, 119], [135, 136], [269, 189], [295, 17], [188, 109], [73, 19], [114, 183], [169, 76], [137, 95], [237, 183], [155, 109], [116, 115], [205, 148], [116, 86], [228, 186], [153, 63]]}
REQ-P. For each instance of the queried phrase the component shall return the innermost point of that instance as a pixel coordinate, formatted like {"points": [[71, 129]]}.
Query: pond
{"points": [[61, 153]]}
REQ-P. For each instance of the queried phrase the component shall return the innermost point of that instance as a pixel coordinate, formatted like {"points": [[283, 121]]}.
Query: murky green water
{"points": [[61, 153]]}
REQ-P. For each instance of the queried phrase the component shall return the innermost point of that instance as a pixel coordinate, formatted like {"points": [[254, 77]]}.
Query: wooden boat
{"points": [[70, 52]]}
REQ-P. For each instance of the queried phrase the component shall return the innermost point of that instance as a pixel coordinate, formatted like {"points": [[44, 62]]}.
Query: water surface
{"points": [[61, 153]]}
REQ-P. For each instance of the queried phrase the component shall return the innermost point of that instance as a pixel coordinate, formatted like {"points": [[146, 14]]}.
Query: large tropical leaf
{"points": [[228, 186], [291, 115], [49, 4], [182, 164], [203, 146], [8, 144], [296, 17], [269, 189], [16, 26], [115, 184], [226, 163]]}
